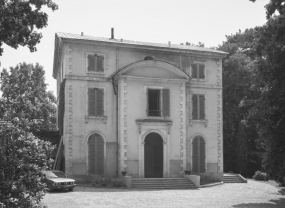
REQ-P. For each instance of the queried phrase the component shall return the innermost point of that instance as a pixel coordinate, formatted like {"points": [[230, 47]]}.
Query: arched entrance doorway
{"points": [[153, 156], [96, 154]]}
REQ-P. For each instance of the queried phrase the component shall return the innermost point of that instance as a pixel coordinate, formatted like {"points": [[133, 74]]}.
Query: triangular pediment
{"points": [[153, 69]]}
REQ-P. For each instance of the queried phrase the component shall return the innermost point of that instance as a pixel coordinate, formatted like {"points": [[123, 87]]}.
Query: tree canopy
{"points": [[19, 19], [25, 98], [25, 109], [254, 97]]}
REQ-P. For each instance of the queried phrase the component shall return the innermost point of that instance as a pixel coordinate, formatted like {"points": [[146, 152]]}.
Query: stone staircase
{"points": [[162, 183], [233, 178]]}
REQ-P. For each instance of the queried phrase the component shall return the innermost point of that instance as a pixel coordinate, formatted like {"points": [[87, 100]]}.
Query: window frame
{"points": [[104, 102], [205, 70], [161, 101], [191, 106], [86, 63]]}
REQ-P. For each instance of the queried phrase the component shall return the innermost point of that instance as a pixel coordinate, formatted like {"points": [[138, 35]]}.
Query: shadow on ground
{"points": [[274, 203]]}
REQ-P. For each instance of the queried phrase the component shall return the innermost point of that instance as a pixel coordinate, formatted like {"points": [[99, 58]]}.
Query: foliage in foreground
{"points": [[25, 107], [22, 158], [19, 19]]}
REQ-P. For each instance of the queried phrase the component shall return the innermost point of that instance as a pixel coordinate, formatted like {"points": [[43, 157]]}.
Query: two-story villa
{"points": [[153, 110]]}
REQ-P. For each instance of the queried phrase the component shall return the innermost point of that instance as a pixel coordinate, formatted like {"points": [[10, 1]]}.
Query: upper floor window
{"points": [[198, 107], [198, 71], [95, 63], [158, 102], [96, 102]]}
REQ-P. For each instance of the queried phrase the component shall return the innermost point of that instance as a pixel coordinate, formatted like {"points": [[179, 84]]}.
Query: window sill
{"points": [[199, 80], [99, 118], [199, 121], [96, 73]]}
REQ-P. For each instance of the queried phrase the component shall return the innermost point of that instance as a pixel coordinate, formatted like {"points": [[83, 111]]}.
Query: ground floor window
{"points": [[198, 155], [96, 154]]}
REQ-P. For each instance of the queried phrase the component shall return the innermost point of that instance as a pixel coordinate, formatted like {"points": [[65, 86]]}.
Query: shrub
{"points": [[260, 176]]}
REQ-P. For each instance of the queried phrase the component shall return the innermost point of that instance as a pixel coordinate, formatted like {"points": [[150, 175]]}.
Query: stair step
{"points": [[162, 183]]}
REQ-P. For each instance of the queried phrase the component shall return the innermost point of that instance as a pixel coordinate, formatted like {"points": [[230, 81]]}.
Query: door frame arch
{"points": [[142, 150]]}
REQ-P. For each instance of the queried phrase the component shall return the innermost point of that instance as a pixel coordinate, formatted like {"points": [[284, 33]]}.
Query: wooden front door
{"points": [[153, 156]]}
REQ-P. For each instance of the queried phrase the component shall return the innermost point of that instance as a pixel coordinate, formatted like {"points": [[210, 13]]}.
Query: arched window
{"points": [[198, 155], [148, 58], [96, 154]]}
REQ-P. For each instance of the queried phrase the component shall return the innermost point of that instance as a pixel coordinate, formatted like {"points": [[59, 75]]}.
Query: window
{"points": [[95, 63], [198, 155], [95, 102], [198, 71], [198, 107], [148, 58], [96, 154], [158, 102]]}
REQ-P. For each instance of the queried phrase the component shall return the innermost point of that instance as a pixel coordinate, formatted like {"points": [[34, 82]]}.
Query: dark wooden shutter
{"points": [[201, 71], [99, 164], [194, 73], [91, 102], [91, 154], [195, 107], [91, 63], [166, 102], [198, 155], [96, 155], [202, 155], [99, 95], [100, 63], [202, 107], [195, 155]]}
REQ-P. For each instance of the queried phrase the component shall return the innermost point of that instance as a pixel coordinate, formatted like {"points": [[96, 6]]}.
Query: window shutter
{"points": [[91, 155], [147, 103], [99, 94], [91, 101], [194, 69], [91, 63], [202, 107], [166, 102], [201, 71], [202, 155], [195, 155], [99, 163], [100, 63], [195, 107]]}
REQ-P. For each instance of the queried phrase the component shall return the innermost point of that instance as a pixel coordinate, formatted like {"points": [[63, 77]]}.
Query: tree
{"points": [[19, 19], [269, 111], [273, 6], [25, 108], [22, 158], [25, 98], [240, 90]]}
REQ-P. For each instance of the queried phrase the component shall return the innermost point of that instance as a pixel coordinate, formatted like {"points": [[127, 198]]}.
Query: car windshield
{"points": [[55, 174]]}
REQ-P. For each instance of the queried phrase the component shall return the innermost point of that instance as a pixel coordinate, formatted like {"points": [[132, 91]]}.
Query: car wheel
{"points": [[50, 187], [70, 189]]}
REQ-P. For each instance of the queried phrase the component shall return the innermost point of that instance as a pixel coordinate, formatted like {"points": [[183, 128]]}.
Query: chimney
{"points": [[82, 34], [112, 33], [169, 44]]}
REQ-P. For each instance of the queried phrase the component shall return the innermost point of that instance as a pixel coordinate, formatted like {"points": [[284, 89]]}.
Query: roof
{"points": [[138, 43], [68, 37]]}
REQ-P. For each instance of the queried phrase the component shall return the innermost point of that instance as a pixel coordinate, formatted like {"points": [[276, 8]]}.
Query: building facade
{"points": [[152, 110]]}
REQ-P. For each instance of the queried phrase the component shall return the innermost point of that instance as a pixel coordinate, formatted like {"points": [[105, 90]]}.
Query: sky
{"points": [[158, 21]]}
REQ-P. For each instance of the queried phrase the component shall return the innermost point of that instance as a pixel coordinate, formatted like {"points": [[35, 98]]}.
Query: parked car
{"points": [[57, 180]]}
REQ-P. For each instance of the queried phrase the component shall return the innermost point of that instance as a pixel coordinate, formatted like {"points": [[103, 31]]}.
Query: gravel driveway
{"points": [[251, 194]]}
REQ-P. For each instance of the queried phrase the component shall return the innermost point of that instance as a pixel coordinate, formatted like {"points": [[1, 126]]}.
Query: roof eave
{"points": [[218, 54]]}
